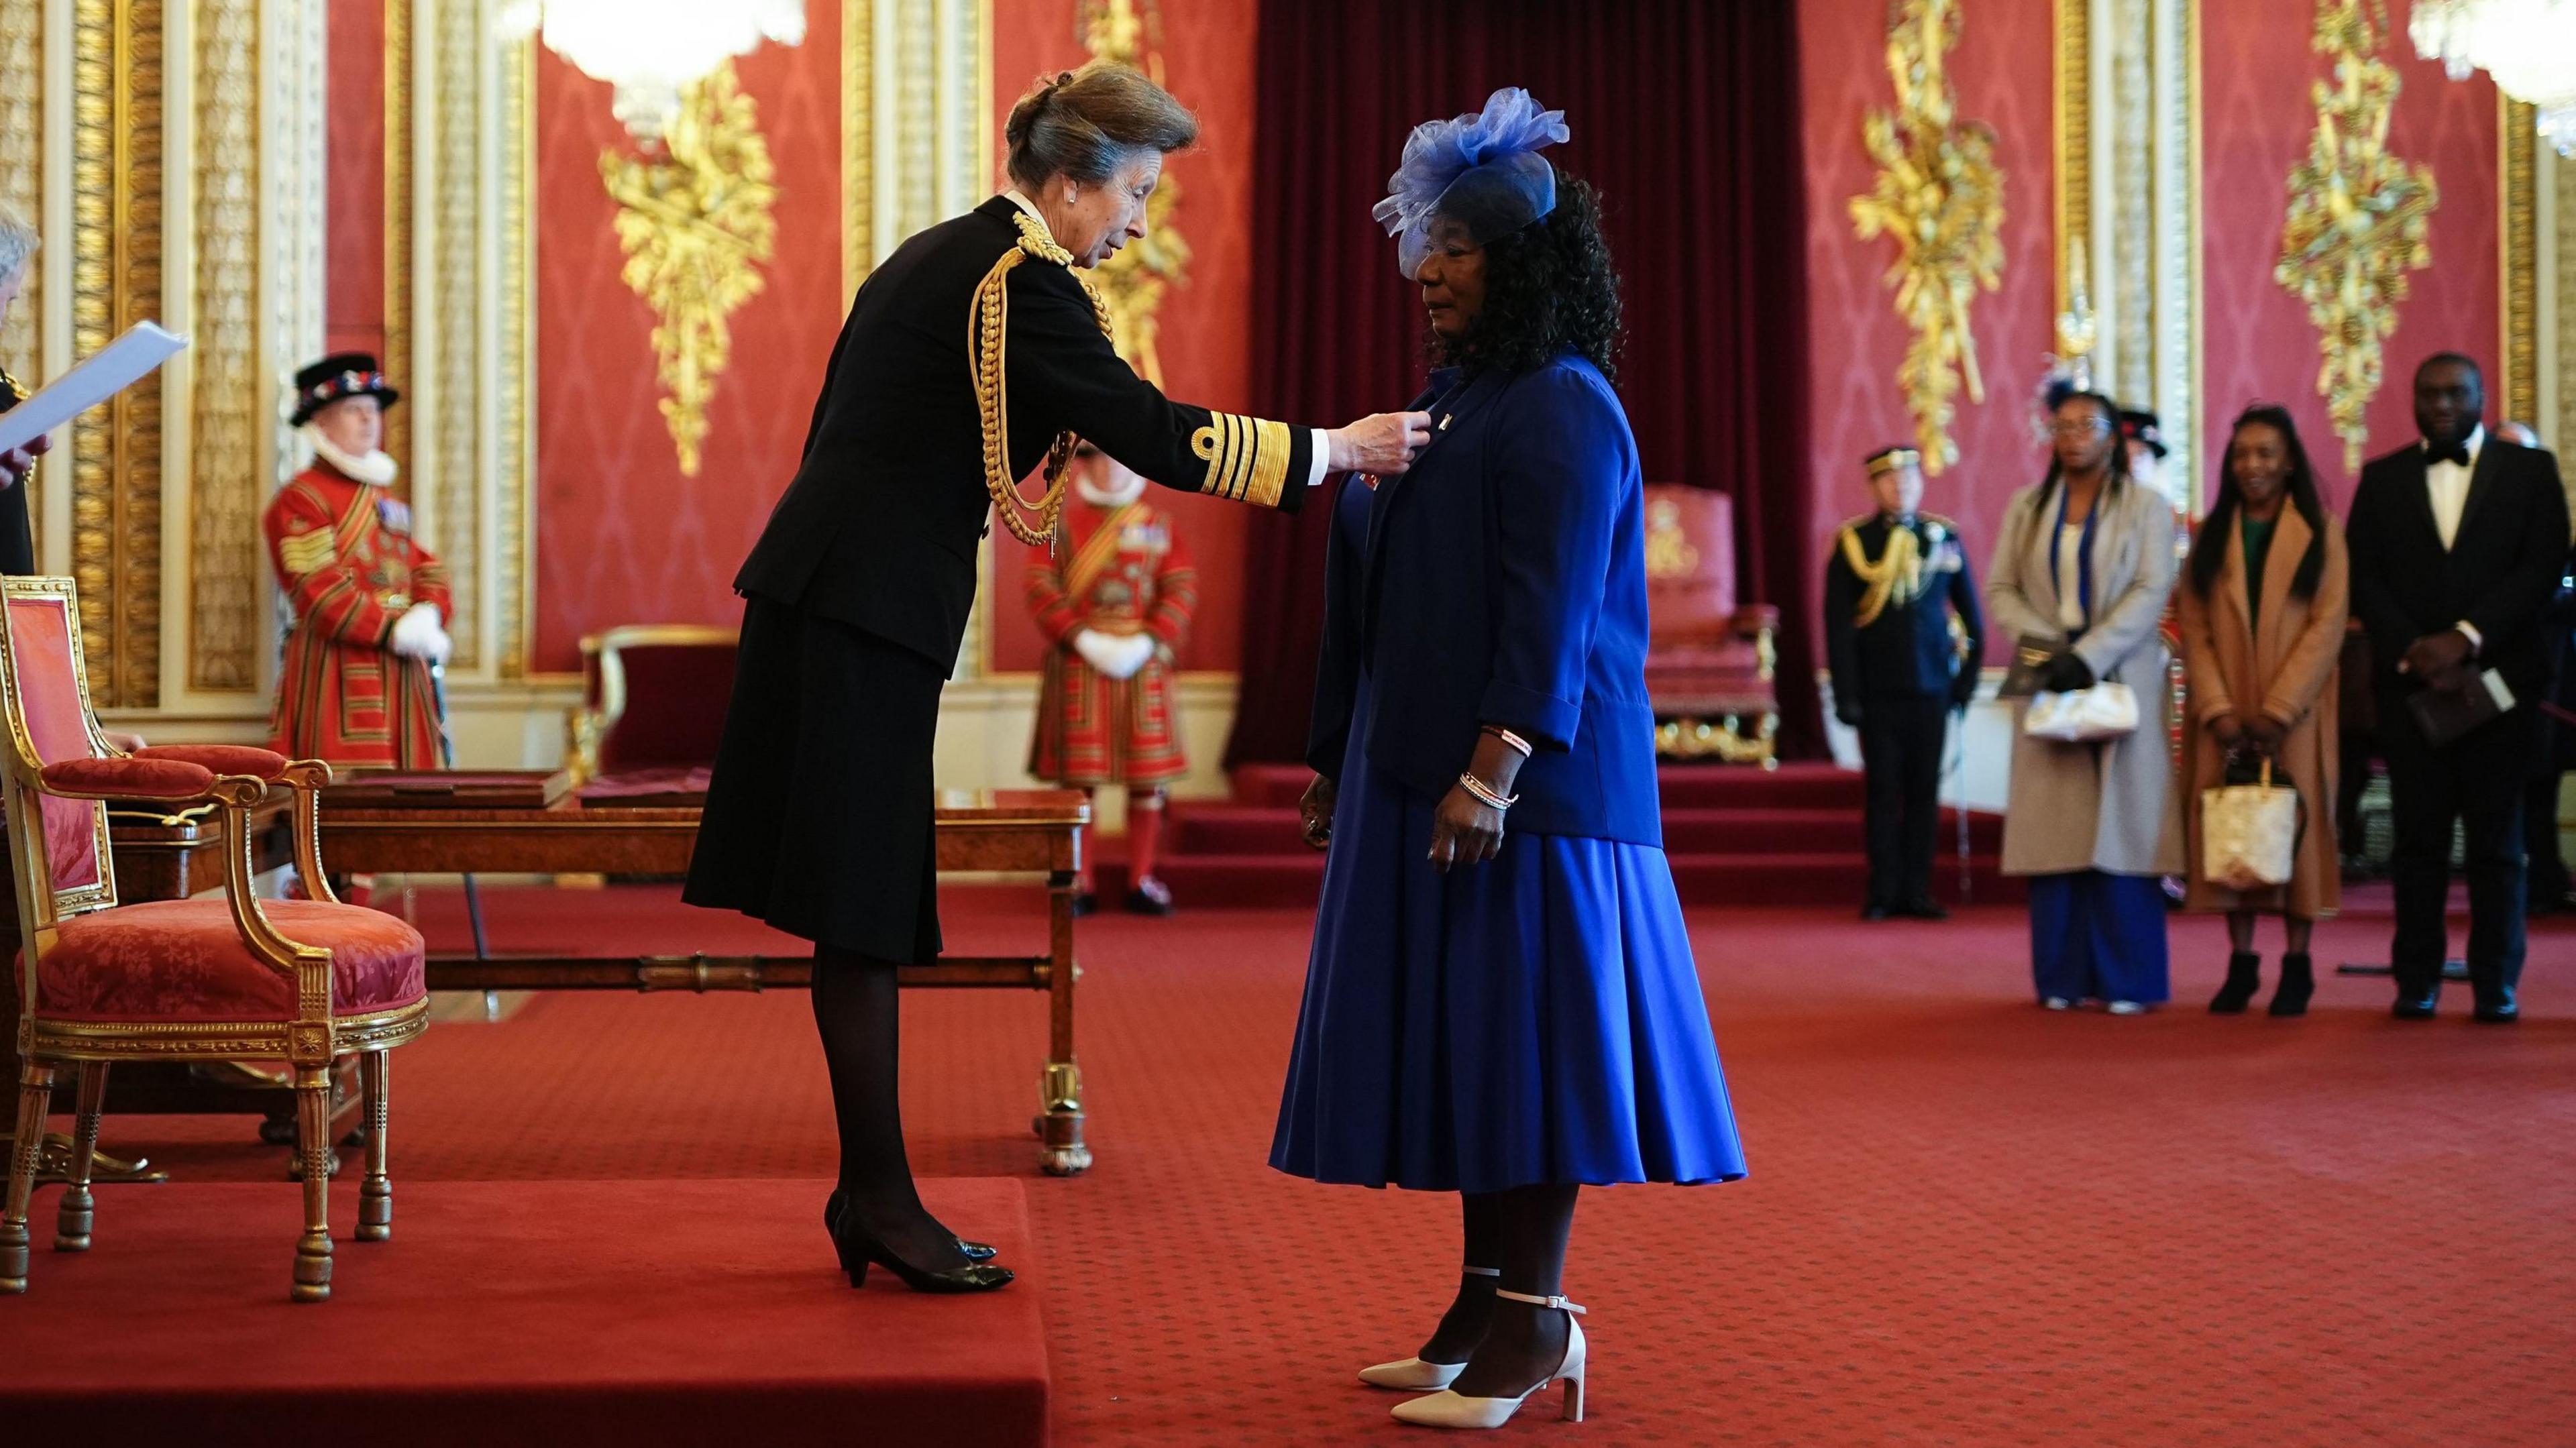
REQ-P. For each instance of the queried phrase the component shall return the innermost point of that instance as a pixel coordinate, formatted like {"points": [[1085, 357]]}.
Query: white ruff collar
{"points": [[1104, 498], [376, 469]]}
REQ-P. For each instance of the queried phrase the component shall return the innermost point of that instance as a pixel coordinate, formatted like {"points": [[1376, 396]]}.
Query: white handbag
{"points": [[2249, 834], [2083, 716]]}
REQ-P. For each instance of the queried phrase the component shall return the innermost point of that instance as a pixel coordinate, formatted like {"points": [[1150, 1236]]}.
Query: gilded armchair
{"points": [[652, 709], [1709, 667], [227, 977]]}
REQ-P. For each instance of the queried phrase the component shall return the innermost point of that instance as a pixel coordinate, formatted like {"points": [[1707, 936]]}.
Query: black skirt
{"points": [[819, 819]]}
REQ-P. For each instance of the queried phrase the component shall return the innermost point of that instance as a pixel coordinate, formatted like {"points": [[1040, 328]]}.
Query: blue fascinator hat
{"points": [[1480, 172]]}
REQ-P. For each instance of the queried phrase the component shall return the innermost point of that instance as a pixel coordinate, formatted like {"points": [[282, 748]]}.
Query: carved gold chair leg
{"points": [[313, 1147], [35, 1095], [376, 1195], [72, 1223]]}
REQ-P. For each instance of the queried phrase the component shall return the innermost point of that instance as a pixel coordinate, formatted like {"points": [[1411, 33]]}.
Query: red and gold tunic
{"points": [[1124, 572], [349, 572]]}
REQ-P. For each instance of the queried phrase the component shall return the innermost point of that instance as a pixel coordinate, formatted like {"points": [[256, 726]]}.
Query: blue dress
{"points": [[1536, 1018]]}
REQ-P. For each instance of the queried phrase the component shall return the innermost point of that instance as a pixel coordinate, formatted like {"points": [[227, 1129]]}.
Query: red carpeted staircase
{"points": [[1737, 836]]}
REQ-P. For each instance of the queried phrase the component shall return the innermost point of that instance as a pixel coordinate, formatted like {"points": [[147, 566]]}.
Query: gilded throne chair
{"points": [[652, 710], [1709, 666], [226, 977]]}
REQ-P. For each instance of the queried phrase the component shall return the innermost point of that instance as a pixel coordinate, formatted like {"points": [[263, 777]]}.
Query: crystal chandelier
{"points": [[2529, 46], [649, 49]]}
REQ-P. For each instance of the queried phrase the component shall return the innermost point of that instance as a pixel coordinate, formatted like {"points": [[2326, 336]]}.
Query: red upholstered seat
{"points": [[1711, 657], [222, 758], [183, 960]]}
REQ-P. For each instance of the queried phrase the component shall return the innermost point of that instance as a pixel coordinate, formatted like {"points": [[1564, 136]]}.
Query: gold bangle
{"points": [[1486, 792], [1508, 737]]}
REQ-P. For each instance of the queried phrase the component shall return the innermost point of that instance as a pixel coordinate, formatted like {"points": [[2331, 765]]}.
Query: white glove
{"points": [[1117, 656], [418, 635]]}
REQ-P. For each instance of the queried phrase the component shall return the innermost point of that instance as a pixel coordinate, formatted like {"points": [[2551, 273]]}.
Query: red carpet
{"points": [[637, 1312], [1969, 1223], [1736, 836]]}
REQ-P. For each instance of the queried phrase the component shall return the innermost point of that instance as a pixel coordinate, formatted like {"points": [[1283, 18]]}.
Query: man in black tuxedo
{"points": [[1896, 580], [2457, 543]]}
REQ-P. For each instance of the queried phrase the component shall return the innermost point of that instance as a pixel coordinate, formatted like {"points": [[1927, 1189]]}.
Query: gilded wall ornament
{"points": [[695, 222], [1134, 281], [2358, 220], [1939, 195]]}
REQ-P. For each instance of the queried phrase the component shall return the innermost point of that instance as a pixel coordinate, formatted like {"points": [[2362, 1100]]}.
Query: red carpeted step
{"points": [[1820, 879], [630, 1312], [1233, 828]]}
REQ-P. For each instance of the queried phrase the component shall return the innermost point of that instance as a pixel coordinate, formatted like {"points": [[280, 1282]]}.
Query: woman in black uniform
{"points": [[17, 537], [971, 354]]}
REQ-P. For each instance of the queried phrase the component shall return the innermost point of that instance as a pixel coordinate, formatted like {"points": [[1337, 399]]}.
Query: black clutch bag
{"points": [[2444, 717], [2029, 667]]}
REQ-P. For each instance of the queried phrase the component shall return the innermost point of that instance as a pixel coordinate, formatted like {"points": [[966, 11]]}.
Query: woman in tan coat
{"points": [[2084, 566], [2262, 613]]}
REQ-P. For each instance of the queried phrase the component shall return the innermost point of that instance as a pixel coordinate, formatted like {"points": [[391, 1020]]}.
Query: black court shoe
{"points": [[859, 1251], [833, 1204]]}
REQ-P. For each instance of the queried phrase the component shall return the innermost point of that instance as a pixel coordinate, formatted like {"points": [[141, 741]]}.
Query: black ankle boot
{"points": [[2298, 982], [2244, 975]]}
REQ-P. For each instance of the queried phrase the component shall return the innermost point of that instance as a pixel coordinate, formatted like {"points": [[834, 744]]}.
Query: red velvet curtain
{"points": [[1685, 115]]}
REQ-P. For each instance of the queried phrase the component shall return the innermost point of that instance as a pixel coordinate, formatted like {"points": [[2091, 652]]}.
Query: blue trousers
{"points": [[2096, 936]]}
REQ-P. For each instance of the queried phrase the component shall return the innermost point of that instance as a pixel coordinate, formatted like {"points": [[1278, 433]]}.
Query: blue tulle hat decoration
{"points": [[1481, 171]]}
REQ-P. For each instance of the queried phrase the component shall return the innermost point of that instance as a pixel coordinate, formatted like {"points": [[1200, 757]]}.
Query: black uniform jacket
{"points": [[1907, 649], [880, 527], [2500, 573]]}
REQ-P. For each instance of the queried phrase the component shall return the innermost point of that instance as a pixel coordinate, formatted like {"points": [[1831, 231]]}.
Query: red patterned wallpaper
{"points": [[2256, 71], [2001, 72], [1207, 326], [622, 537], [354, 178]]}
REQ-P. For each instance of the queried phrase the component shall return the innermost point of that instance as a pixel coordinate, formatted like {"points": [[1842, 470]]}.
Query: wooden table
{"points": [[1016, 831]]}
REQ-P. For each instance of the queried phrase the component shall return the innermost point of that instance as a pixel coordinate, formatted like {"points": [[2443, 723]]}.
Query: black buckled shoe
{"points": [[832, 1205], [2498, 1008], [2417, 1005]]}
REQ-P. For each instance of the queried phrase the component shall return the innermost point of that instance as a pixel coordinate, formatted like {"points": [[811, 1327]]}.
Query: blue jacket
{"points": [[1501, 581]]}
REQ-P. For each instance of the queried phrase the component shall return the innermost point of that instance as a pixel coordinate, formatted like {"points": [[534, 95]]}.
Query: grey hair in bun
{"points": [[1084, 124]]}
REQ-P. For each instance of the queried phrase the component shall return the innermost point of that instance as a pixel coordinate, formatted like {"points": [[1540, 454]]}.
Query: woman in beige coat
{"points": [[2085, 563], [2263, 608]]}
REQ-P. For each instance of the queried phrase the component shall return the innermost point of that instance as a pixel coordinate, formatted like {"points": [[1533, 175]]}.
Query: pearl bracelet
{"points": [[1486, 792]]}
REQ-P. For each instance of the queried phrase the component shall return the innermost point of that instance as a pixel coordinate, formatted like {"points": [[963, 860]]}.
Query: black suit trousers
{"points": [[1900, 750], [2478, 781]]}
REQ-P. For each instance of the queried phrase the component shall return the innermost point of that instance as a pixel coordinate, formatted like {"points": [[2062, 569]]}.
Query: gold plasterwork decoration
{"points": [[1134, 281], [116, 280], [2359, 217], [1939, 195], [233, 402], [696, 225]]}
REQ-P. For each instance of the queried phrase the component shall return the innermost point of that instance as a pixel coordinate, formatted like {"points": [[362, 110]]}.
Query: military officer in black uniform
{"points": [[1902, 631]]}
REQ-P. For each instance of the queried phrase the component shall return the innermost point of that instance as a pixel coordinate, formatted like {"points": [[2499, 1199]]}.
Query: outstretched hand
{"points": [[1383, 443], [15, 462]]}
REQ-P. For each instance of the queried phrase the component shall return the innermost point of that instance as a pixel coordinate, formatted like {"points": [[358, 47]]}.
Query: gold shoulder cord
{"points": [[987, 329], [1897, 576]]}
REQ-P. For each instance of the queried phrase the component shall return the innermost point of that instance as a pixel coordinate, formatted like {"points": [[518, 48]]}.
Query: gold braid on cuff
{"points": [[988, 326], [1247, 458]]}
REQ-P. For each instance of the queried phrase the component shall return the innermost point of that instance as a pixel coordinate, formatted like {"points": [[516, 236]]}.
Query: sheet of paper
{"points": [[112, 369]]}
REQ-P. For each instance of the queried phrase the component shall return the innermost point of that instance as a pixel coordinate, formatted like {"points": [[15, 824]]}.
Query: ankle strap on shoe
{"points": [[1560, 1303], [1482, 1271]]}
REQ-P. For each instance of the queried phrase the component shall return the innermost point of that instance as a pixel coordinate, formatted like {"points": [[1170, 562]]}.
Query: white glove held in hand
{"points": [[418, 635], [1118, 656]]}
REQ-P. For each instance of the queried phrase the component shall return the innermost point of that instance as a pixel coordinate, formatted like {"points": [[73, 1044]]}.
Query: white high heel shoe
{"points": [[1447, 1409], [1419, 1375]]}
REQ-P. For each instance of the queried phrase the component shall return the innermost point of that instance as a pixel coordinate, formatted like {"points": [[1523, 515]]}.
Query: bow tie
{"points": [[2456, 453]]}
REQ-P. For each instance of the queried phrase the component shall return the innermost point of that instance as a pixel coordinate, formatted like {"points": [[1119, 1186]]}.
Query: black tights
{"points": [[857, 1010], [1507, 1345]]}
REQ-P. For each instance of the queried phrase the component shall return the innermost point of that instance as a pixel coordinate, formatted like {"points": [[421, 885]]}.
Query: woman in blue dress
{"points": [[1501, 1000]]}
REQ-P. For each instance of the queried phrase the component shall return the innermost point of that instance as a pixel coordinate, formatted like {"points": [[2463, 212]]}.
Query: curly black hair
{"points": [[1549, 288]]}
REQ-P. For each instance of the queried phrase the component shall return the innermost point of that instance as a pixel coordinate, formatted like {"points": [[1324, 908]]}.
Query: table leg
{"points": [[1060, 1088]]}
